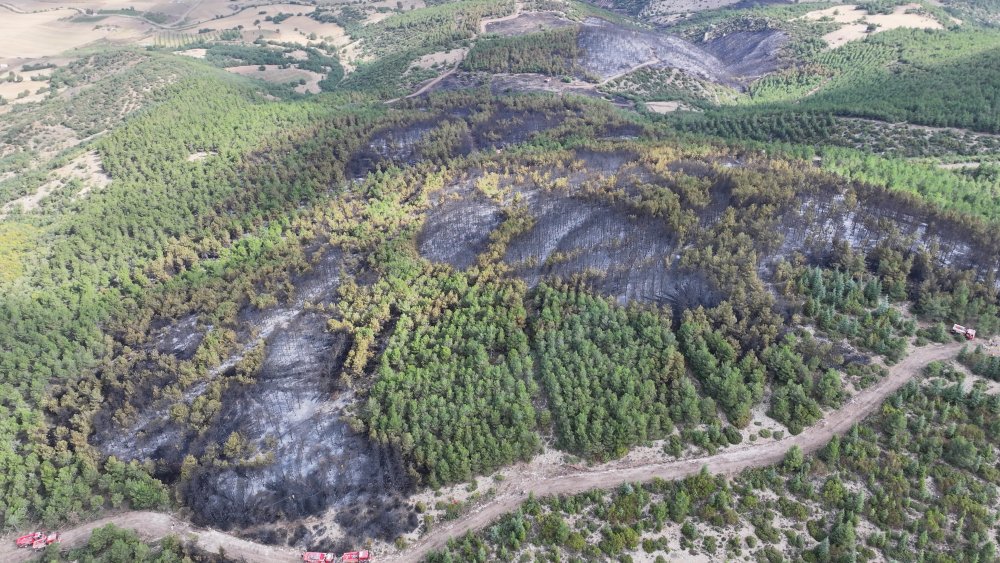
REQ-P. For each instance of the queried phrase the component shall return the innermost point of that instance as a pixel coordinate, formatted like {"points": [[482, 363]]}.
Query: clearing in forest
{"points": [[278, 75]]}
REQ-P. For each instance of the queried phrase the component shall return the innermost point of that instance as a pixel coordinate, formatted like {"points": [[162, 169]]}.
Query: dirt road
{"points": [[518, 10], [727, 463], [155, 525], [629, 71]]}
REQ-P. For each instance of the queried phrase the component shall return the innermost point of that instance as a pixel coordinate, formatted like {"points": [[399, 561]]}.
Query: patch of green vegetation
{"points": [[432, 28], [454, 390], [15, 243], [382, 78], [973, 194], [110, 544], [89, 18], [552, 53], [614, 377], [852, 306], [981, 363], [939, 78], [226, 55]]}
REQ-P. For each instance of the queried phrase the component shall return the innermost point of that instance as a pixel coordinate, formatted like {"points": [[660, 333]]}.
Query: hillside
{"points": [[329, 277]]}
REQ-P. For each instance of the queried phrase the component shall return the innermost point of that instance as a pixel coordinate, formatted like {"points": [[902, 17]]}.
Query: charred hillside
{"points": [[280, 396]]}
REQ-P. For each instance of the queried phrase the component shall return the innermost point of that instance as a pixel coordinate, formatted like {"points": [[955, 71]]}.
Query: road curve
{"points": [[152, 526]]}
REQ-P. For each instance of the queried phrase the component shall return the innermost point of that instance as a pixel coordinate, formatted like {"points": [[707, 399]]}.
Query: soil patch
{"points": [[200, 155], [528, 22], [196, 53], [447, 58]]}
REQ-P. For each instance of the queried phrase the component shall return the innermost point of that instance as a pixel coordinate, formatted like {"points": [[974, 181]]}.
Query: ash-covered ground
{"points": [[303, 458], [610, 50], [630, 256]]}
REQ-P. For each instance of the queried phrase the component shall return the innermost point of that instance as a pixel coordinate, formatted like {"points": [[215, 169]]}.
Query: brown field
{"points": [[10, 90], [207, 10], [447, 58], [278, 75], [295, 29], [52, 32], [854, 21]]}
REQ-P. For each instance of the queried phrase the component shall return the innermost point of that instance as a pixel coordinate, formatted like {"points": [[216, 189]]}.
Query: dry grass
{"points": [[196, 53], [278, 75], [666, 107], [446, 58], [52, 32]]}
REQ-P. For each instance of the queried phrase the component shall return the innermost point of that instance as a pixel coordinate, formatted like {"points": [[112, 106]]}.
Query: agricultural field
{"points": [[51, 32], [857, 23], [498, 280]]}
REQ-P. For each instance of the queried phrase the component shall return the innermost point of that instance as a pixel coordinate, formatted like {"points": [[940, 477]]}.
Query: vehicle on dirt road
{"points": [[348, 557], [970, 333], [37, 540]]}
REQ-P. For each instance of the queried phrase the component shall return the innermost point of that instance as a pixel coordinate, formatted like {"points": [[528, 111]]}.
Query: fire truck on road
{"points": [[349, 557], [37, 540]]}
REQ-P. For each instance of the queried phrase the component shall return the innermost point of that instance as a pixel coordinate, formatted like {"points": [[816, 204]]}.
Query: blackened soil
{"points": [[300, 456]]}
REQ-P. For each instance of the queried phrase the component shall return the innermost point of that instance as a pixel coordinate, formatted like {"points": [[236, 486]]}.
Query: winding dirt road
{"points": [[155, 525], [726, 463]]}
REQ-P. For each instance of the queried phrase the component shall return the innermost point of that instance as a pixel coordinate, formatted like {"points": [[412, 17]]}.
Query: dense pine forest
{"points": [[298, 314]]}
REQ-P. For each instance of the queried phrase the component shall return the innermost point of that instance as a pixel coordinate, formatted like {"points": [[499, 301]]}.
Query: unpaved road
{"points": [[518, 10], [155, 525], [726, 463], [152, 526], [650, 62]]}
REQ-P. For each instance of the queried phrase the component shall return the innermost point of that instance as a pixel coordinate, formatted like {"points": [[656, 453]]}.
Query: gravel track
{"points": [[155, 525]]}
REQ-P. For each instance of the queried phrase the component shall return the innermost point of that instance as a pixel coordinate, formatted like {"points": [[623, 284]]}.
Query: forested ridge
{"points": [[552, 53]]}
